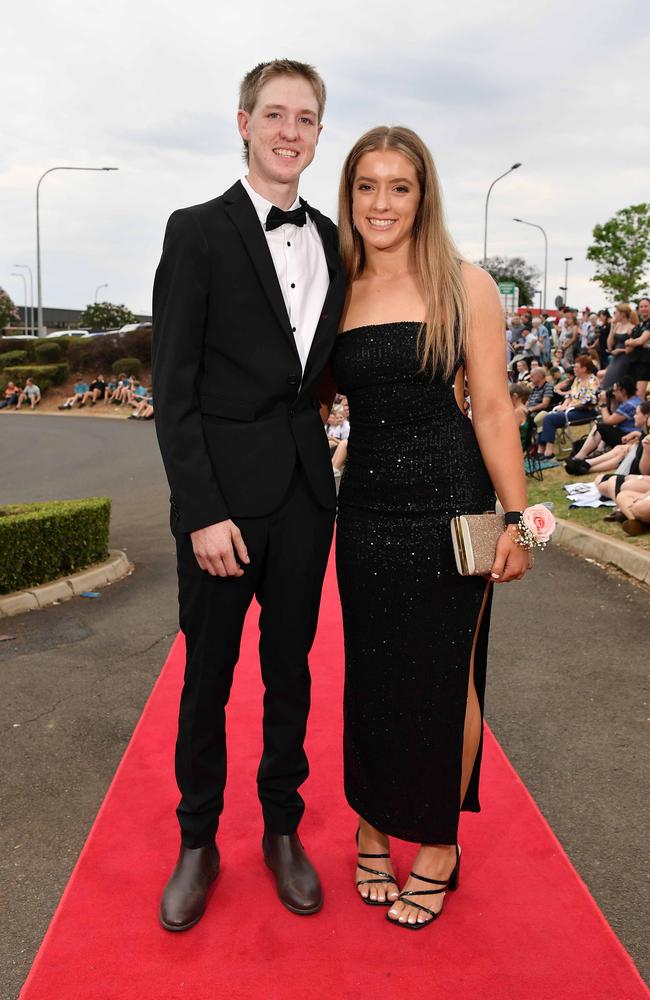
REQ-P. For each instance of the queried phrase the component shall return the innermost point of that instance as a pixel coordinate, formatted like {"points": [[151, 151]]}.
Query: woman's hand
{"points": [[511, 560]]}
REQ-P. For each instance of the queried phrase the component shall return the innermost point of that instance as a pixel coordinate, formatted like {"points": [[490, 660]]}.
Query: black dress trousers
{"points": [[288, 553]]}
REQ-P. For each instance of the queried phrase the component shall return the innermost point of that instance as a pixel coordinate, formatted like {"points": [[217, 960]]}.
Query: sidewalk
{"points": [[116, 567], [604, 550]]}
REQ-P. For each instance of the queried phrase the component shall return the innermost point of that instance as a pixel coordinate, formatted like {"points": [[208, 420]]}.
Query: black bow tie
{"points": [[277, 217]]}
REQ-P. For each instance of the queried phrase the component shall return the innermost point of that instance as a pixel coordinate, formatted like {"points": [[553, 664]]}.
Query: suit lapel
{"points": [[335, 269], [242, 213]]}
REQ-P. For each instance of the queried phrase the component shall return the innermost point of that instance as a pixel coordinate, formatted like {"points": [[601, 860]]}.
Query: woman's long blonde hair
{"points": [[443, 335]]}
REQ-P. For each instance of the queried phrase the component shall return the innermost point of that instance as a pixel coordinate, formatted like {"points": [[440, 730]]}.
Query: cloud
{"points": [[153, 89]]}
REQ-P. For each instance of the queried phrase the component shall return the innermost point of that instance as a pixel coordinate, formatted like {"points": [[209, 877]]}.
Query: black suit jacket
{"points": [[231, 409]]}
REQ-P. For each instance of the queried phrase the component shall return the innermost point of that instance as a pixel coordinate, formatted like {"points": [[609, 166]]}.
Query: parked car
{"points": [[132, 327], [70, 333]]}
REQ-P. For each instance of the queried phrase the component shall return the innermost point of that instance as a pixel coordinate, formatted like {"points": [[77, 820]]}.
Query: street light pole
{"points": [[97, 291], [39, 289], [543, 231], [514, 166], [16, 274], [566, 280], [31, 294]]}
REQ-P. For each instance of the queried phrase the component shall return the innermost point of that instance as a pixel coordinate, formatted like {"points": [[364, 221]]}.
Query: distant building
{"points": [[55, 319]]}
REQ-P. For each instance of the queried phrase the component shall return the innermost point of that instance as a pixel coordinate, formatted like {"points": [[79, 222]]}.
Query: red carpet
{"points": [[521, 927]]}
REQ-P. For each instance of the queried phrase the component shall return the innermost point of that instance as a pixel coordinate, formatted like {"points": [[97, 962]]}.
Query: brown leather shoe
{"points": [[297, 883], [186, 894]]}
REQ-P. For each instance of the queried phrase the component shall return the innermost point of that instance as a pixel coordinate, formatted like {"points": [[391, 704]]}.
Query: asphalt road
{"points": [[566, 694]]}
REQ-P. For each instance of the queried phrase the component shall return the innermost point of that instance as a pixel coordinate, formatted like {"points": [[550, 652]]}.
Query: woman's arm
{"points": [[610, 338], [496, 431]]}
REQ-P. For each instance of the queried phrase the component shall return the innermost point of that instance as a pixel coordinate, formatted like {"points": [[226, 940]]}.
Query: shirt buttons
{"points": [[293, 328], [288, 244], [293, 284]]}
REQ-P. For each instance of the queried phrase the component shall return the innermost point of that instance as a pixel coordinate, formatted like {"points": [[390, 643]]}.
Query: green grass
{"points": [[551, 489]]}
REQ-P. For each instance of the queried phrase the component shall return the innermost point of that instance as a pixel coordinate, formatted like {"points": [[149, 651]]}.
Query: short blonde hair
{"points": [[261, 74]]}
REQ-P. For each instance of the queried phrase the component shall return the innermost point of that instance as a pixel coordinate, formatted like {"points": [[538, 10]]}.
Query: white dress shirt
{"points": [[300, 265]]}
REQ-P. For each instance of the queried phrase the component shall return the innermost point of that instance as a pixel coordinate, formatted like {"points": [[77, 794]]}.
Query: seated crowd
{"points": [[588, 377], [119, 390]]}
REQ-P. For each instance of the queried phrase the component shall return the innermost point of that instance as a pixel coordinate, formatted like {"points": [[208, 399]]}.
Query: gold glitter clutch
{"points": [[475, 537]]}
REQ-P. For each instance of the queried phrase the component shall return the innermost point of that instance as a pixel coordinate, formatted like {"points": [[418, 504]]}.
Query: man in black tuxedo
{"points": [[247, 300]]}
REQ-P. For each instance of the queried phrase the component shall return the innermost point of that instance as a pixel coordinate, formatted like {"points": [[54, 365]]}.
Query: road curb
{"points": [[114, 568], [592, 544]]}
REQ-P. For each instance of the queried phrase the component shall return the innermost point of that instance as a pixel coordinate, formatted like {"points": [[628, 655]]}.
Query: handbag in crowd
{"points": [[474, 538]]}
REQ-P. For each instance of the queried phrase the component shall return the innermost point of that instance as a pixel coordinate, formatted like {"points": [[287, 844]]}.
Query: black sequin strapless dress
{"points": [[410, 620]]}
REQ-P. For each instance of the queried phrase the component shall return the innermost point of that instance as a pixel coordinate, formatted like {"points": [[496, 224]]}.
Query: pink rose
{"points": [[540, 521]]}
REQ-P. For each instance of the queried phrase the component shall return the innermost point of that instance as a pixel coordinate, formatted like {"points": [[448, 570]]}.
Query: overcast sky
{"points": [[152, 89]]}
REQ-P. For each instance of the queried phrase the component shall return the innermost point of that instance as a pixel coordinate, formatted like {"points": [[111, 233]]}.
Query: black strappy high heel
{"points": [[451, 883], [384, 877]]}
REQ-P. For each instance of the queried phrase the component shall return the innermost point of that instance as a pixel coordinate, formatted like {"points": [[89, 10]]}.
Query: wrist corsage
{"points": [[536, 525]]}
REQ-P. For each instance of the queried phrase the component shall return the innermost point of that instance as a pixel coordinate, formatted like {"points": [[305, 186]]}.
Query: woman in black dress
{"points": [[418, 320]]}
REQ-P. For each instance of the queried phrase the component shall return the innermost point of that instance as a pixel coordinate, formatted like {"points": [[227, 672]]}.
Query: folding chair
{"points": [[566, 437]]}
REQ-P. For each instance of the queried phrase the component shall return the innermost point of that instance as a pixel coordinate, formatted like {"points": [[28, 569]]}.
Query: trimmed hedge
{"points": [[48, 353], [97, 354], [42, 541], [11, 344], [45, 376], [63, 342], [13, 358], [130, 366]]}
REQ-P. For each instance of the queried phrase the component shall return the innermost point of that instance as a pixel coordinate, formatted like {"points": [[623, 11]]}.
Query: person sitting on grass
{"points": [[114, 384], [578, 407], [79, 390], [137, 394], [10, 395], [637, 512], [611, 427], [636, 477], [610, 460], [95, 391], [30, 392], [123, 391], [143, 409]]}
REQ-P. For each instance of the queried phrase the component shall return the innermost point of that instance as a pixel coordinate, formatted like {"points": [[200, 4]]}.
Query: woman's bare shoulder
{"points": [[480, 285]]}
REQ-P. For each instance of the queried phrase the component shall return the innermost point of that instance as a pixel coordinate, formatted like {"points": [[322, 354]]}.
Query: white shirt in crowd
{"points": [[340, 432], [300, 265], [532, 344]]}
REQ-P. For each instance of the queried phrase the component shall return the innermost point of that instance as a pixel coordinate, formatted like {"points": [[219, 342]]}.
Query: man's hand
{"points": [[216, 548]]}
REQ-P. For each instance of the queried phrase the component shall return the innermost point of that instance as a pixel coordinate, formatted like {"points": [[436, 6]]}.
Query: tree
{"points": [[8, 311], [621, 252], [105, 316], [515, 269]]}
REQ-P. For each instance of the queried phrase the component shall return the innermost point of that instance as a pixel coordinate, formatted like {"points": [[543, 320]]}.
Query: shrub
{"points": [[63, 342], [98, 353], [45, 376], [48, 352], [13, 358], [42, 541], [95, 353], [11, 344], [130, 366], [137, 344]]}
